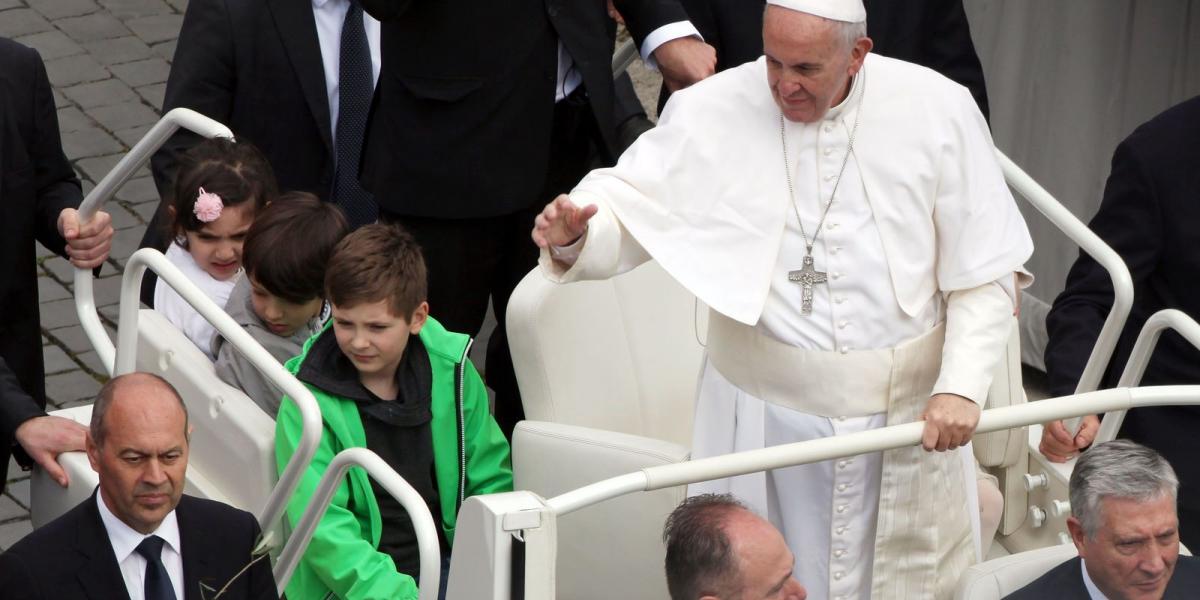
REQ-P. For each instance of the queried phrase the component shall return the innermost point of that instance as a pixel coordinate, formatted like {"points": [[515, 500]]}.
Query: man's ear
{"points": [[858, 54], [1078, 536], [93, 451], [419, 315]]}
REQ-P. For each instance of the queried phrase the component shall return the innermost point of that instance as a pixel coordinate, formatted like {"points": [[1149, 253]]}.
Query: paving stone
{"points": [[107, 290], [7, 4], [9, 509], [112, 312], [72, 337], [14, 471], [18, 22], [72, 385], [153, 93], [56, 361], [18, 489], [57, 9], [166, 50], [11, 533], [100, 93], [132, 135], [146, 210], [59, 313], [138, 191], [97, 167], [97, 26], [119, 50], [79, 402], [60, 100], [116, 117], [52, 44], [129, 9], [49, 289], [125, 242], [157, 28], [91, 361], [70, 70], [122, 218], [59, 268], [180, 5], [143, 72], [88, 186], [72, 119], [88, 142], [42, 251]]}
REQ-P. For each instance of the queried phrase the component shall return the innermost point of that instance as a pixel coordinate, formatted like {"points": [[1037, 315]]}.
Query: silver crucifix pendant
{"points": [[807, 277]]}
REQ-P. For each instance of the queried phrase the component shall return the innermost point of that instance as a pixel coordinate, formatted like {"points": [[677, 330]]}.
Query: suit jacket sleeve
{"points": [[642, 17], [1130, 221], [57, 187], [202, 78], [261, 582], [15, 578], [951, 52], [16, 406]]}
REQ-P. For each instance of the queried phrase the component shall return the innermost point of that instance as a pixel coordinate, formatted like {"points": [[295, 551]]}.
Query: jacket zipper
{"points": [[462, 429]]}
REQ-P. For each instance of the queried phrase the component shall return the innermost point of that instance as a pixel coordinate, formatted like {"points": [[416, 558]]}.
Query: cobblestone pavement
{"points": [[108, 62]]}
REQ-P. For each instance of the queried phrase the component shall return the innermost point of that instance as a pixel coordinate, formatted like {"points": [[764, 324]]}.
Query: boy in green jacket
{"points": [[391, 379]]}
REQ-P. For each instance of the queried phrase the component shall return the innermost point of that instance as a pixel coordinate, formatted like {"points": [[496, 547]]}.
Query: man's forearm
{"points": [[979, 322]]}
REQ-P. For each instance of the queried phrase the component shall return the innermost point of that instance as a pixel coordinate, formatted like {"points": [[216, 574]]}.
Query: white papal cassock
{"points": [[919, 248]]}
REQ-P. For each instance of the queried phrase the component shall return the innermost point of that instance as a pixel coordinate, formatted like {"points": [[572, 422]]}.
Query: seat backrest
{"points": [[613, 549], [621, 354], [995, 579]]}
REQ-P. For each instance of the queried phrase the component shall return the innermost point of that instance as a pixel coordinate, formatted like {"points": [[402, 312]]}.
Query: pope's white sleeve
{"points": [[605, 250], [978, 325]]}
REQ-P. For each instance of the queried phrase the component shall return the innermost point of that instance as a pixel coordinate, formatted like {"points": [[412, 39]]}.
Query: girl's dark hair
{"points": [[234, 170], [289, 244]]}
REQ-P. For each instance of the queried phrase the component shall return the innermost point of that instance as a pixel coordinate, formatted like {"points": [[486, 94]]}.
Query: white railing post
{"points": [[410, 499]]}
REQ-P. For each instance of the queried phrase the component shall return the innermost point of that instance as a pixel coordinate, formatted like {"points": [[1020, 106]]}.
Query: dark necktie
{"points": [[157, 585], [355, 87]]}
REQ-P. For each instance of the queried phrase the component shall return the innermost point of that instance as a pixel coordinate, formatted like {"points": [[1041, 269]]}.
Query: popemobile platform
{"points": [[603, 457]]}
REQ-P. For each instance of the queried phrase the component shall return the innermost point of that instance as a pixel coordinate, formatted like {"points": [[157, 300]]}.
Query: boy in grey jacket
{"points": [[280, 301]]}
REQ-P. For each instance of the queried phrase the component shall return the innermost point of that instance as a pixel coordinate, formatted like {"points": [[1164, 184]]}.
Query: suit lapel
{"points": [[298, 31], [196, 555], [99, 574]]}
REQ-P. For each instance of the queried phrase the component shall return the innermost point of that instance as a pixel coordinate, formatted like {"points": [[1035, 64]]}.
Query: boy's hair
{"points": [[289, 244], [377, 263], [234, 170]]}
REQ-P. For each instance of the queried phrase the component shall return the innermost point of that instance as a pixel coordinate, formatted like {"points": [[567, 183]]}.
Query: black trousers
{"points": [[473, 259]]}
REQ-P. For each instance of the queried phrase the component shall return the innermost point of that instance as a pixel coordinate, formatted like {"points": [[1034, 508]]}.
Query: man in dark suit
{"points": [[486, 110], [1149, 215], [138, 535], [38, 197], [1123, 523], [272, 71]]}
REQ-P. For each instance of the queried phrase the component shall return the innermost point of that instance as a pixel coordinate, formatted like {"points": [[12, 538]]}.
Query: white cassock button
{"points": [[835, 249], [839, 575], [828, 151], [841, 509], [839, 299], [841, 418], [841, 487], [836, 275], [841, 530], [842, 324], [832, 226], [842, 464], [845, 349], [838, 553]]}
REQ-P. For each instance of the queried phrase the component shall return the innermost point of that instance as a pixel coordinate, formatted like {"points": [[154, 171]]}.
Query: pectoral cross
{"points": [[807, 277]]}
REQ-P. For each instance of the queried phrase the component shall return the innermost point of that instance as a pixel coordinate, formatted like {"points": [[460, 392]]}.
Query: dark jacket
{"points": [[1150, 215], [36, 184], [465, 101], [1065, 582], [71, 558]]}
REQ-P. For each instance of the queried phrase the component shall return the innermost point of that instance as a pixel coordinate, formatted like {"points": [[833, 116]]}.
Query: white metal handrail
{"points": [[875, 440], [1104, 255], [410, 499], [126, 362], [85, 299], [1139, 358]]}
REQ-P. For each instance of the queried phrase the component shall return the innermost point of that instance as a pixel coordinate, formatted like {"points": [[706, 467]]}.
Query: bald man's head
{"points": [[136, 387]]}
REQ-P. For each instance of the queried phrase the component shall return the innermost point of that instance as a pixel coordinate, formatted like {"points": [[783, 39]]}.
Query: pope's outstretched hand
{"points": [[561, 223]]}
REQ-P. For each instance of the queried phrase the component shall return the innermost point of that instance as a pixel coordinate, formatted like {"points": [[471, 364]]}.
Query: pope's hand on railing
{"points": [[88, 243], [1057, 443], [950, 421]]}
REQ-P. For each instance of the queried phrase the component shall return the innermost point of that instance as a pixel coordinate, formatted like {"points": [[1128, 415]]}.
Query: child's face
{"points": [[217, 247], [373, 338], [282, 317]]}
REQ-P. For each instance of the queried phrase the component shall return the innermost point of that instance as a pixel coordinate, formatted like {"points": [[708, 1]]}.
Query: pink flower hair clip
{"points": [[208, 207]]}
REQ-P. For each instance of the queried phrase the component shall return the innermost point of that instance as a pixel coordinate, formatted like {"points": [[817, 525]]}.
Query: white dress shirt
{"points": [[168, 302], [330, 14], [570, 78], [1093, 592], [125, 541]]}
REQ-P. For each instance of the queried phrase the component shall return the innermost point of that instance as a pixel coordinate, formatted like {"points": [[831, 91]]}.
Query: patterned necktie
{"points": [[355, 87], [157, 585]]}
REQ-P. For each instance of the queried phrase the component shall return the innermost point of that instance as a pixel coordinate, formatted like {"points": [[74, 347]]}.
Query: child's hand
{"points": [[87, 244]]}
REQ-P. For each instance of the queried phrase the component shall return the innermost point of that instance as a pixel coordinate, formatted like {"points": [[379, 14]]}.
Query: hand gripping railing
{"points": [[1090, 243], [85, 299], [127, 339], [1139, 358], [875, 440], [418, 512]]}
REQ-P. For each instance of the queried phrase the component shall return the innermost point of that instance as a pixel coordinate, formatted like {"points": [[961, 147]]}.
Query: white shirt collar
{"points": [[1093, 591], [125, 539], [856, 85]]}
